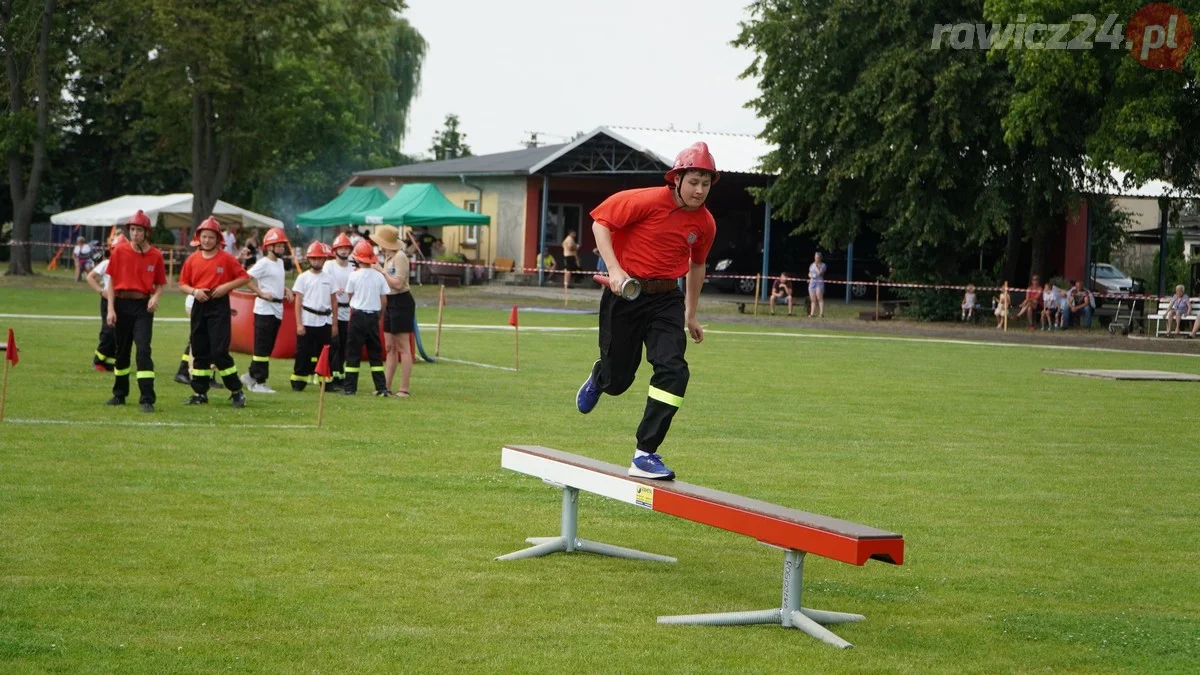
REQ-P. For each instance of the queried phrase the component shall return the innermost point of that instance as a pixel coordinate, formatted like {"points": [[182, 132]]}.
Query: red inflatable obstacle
{"points": [[242, 338]]}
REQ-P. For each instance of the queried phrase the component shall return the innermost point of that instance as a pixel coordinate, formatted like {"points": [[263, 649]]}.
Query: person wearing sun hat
{"points": [[400, 312]]}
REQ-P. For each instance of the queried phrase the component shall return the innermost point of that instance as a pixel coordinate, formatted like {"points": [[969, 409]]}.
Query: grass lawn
{"points": [[1047, 527]]}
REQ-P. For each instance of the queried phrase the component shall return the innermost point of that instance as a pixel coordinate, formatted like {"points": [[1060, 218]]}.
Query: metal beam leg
{"points": [[569, 542], [789, 615]]}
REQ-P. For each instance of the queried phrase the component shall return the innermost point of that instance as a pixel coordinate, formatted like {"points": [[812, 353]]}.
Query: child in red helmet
{"points": [[368, 290], [137, 275], [98, 279], [267, 281], [338, 268], [210, 275], [654, 235], [315, 299]]}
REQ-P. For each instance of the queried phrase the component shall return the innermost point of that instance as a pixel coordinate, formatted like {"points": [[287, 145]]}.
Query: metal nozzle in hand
{"points": [[631, 289]]}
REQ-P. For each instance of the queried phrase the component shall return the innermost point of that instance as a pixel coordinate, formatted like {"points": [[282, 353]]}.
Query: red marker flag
{"points": [[323, 368], [512, 317], [10, 349]]}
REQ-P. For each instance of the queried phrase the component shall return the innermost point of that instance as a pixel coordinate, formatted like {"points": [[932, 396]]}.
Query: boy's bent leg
{"points": [[665, 346]]}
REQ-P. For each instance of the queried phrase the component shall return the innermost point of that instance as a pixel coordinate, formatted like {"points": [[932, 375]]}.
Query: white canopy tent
{"points": [[175, 209]]}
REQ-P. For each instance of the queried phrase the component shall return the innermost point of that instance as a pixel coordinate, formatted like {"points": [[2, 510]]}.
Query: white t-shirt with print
{"points": [[269, 274], [316, 287], [365, 287], [101, 270]]}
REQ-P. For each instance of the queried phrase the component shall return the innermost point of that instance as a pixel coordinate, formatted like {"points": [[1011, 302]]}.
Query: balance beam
{"points": [[796, 532]]}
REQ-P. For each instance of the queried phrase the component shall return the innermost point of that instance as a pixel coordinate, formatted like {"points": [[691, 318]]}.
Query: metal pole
{"points": [[570, 517], [1164, 206], [542, 234], [766, 247], [793, 573], [1087, 248], [849, 269]]}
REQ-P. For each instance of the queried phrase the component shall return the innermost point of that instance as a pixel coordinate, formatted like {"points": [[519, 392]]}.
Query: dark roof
{"points": [[516, 162]]}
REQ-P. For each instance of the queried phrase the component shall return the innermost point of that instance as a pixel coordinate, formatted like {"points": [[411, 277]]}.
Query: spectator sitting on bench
{"points": [[1080, 301], [781, 291], [548, 263], [1032, 302], [1180, 306], [968, 303], [1049, 307], [1064, 308], [1003, 304]]}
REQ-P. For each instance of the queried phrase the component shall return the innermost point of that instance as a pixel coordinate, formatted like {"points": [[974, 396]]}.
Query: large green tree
{"points": [[450, 142]]}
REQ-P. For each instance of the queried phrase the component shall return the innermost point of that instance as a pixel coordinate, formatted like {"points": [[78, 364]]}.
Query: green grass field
{"points": [[1048, 525]]}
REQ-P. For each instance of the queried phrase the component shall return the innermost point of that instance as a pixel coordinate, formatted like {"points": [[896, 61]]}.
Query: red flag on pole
{"points": [[512, 317], [10, 349], [323, 368]]}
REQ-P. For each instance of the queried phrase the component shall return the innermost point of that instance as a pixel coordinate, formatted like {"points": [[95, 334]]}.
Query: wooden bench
{"points": [[796, 532], [1160, 316], [504, 264]]}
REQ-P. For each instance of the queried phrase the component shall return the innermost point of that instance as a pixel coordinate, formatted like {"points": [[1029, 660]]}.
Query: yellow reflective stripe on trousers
{"points": [[299, 378], [666, 397], [260, 359], [313, 359], [352, 369], [145, 374], [185, 357], [122, 371], [231, 370], [202, 373], [376, 369]]}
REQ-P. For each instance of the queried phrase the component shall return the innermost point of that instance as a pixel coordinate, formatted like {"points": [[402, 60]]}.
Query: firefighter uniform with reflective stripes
{"points": [[268, 315], [367, 289], [313, 292], [106, 348], [656, 242], [136, 276], [339, 273], [211, 320]]}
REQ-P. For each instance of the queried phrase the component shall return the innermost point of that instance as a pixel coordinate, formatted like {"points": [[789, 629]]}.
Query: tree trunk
{"points": [[212, 159], [1012, 249], [25, 195]]}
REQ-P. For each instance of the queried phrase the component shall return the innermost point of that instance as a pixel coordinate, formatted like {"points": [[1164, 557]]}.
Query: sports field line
{"points": [[120, 423], [735, 333], [472, 363]]}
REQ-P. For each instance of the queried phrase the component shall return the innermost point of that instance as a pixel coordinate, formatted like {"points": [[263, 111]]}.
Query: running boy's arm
{"points": [[616, 274], [695, 280]]}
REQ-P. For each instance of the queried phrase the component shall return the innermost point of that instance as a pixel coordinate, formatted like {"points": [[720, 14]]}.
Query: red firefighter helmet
{"points": [[209, 224], [117, 240], [140, 219], [364, 253], [275, 235], [340, 241], [695, 156], [317, 250], [195, 242]]}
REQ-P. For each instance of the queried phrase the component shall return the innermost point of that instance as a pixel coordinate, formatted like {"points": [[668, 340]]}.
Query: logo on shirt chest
{"points": [[691, 238], [149, 268], [220, 270]]}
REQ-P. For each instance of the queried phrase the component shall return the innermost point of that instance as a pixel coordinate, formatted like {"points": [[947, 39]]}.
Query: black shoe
{"points": [[383, 393], [146, 407], [348, 392], [334, 386], [183, 378], [238, 400], [197, 399], [116, 400]]}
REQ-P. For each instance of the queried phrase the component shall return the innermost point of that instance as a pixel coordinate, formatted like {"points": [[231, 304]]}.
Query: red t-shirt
{"points": [[208, 273], [134, 271], [653, 237]]}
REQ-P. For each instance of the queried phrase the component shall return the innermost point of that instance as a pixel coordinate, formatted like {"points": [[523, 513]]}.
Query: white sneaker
{"points": [[257, 388], [248, 381]]}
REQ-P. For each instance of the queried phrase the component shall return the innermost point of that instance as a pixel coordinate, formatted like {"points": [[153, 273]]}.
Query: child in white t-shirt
{"points": [[367, 289], [968, 303]]}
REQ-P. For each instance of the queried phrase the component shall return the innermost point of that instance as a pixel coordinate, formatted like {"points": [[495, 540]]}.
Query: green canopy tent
{"points": [[419, 205], [340, 210]]}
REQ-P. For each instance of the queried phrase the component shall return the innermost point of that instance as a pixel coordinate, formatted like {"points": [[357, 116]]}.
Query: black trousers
{"points": [[106, 349], [337, 350], [135, 325], [364, 331], [210, 345], [308, 350], [571, 263], [656, 321], [266, 329]]}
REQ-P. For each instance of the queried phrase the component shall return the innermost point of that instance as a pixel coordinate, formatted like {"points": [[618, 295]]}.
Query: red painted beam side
{"points": [[779, 532]]}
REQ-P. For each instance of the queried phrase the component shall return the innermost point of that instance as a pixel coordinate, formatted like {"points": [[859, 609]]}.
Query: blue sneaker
{"points": [[650, 466], [589, 392]]}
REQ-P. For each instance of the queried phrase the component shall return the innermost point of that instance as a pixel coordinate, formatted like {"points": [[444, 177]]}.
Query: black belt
{"points": [[343, 304], [365, 311], [318, 312], [275, 300], [653, 286]]}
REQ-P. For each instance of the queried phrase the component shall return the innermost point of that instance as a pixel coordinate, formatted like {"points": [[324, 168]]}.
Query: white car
{"points": [[1108, 279]]}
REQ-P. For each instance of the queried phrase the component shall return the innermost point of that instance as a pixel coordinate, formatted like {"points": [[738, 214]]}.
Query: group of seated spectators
{"points": [[1045, 305]]}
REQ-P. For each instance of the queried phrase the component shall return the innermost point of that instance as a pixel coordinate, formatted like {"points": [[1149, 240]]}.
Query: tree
{"points": [[449, 143], [32, 66]]}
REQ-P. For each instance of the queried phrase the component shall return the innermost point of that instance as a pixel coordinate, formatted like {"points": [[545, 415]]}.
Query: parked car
{"points": [[1108, 279], [740, 264]]}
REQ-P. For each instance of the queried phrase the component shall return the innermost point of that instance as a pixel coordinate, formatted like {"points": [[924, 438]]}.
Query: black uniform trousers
{"points": [[656, 321], [106, 349], [337, 350], [135, 325], [364, 331], [266, 329], [210, 345], [308, 350]]}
